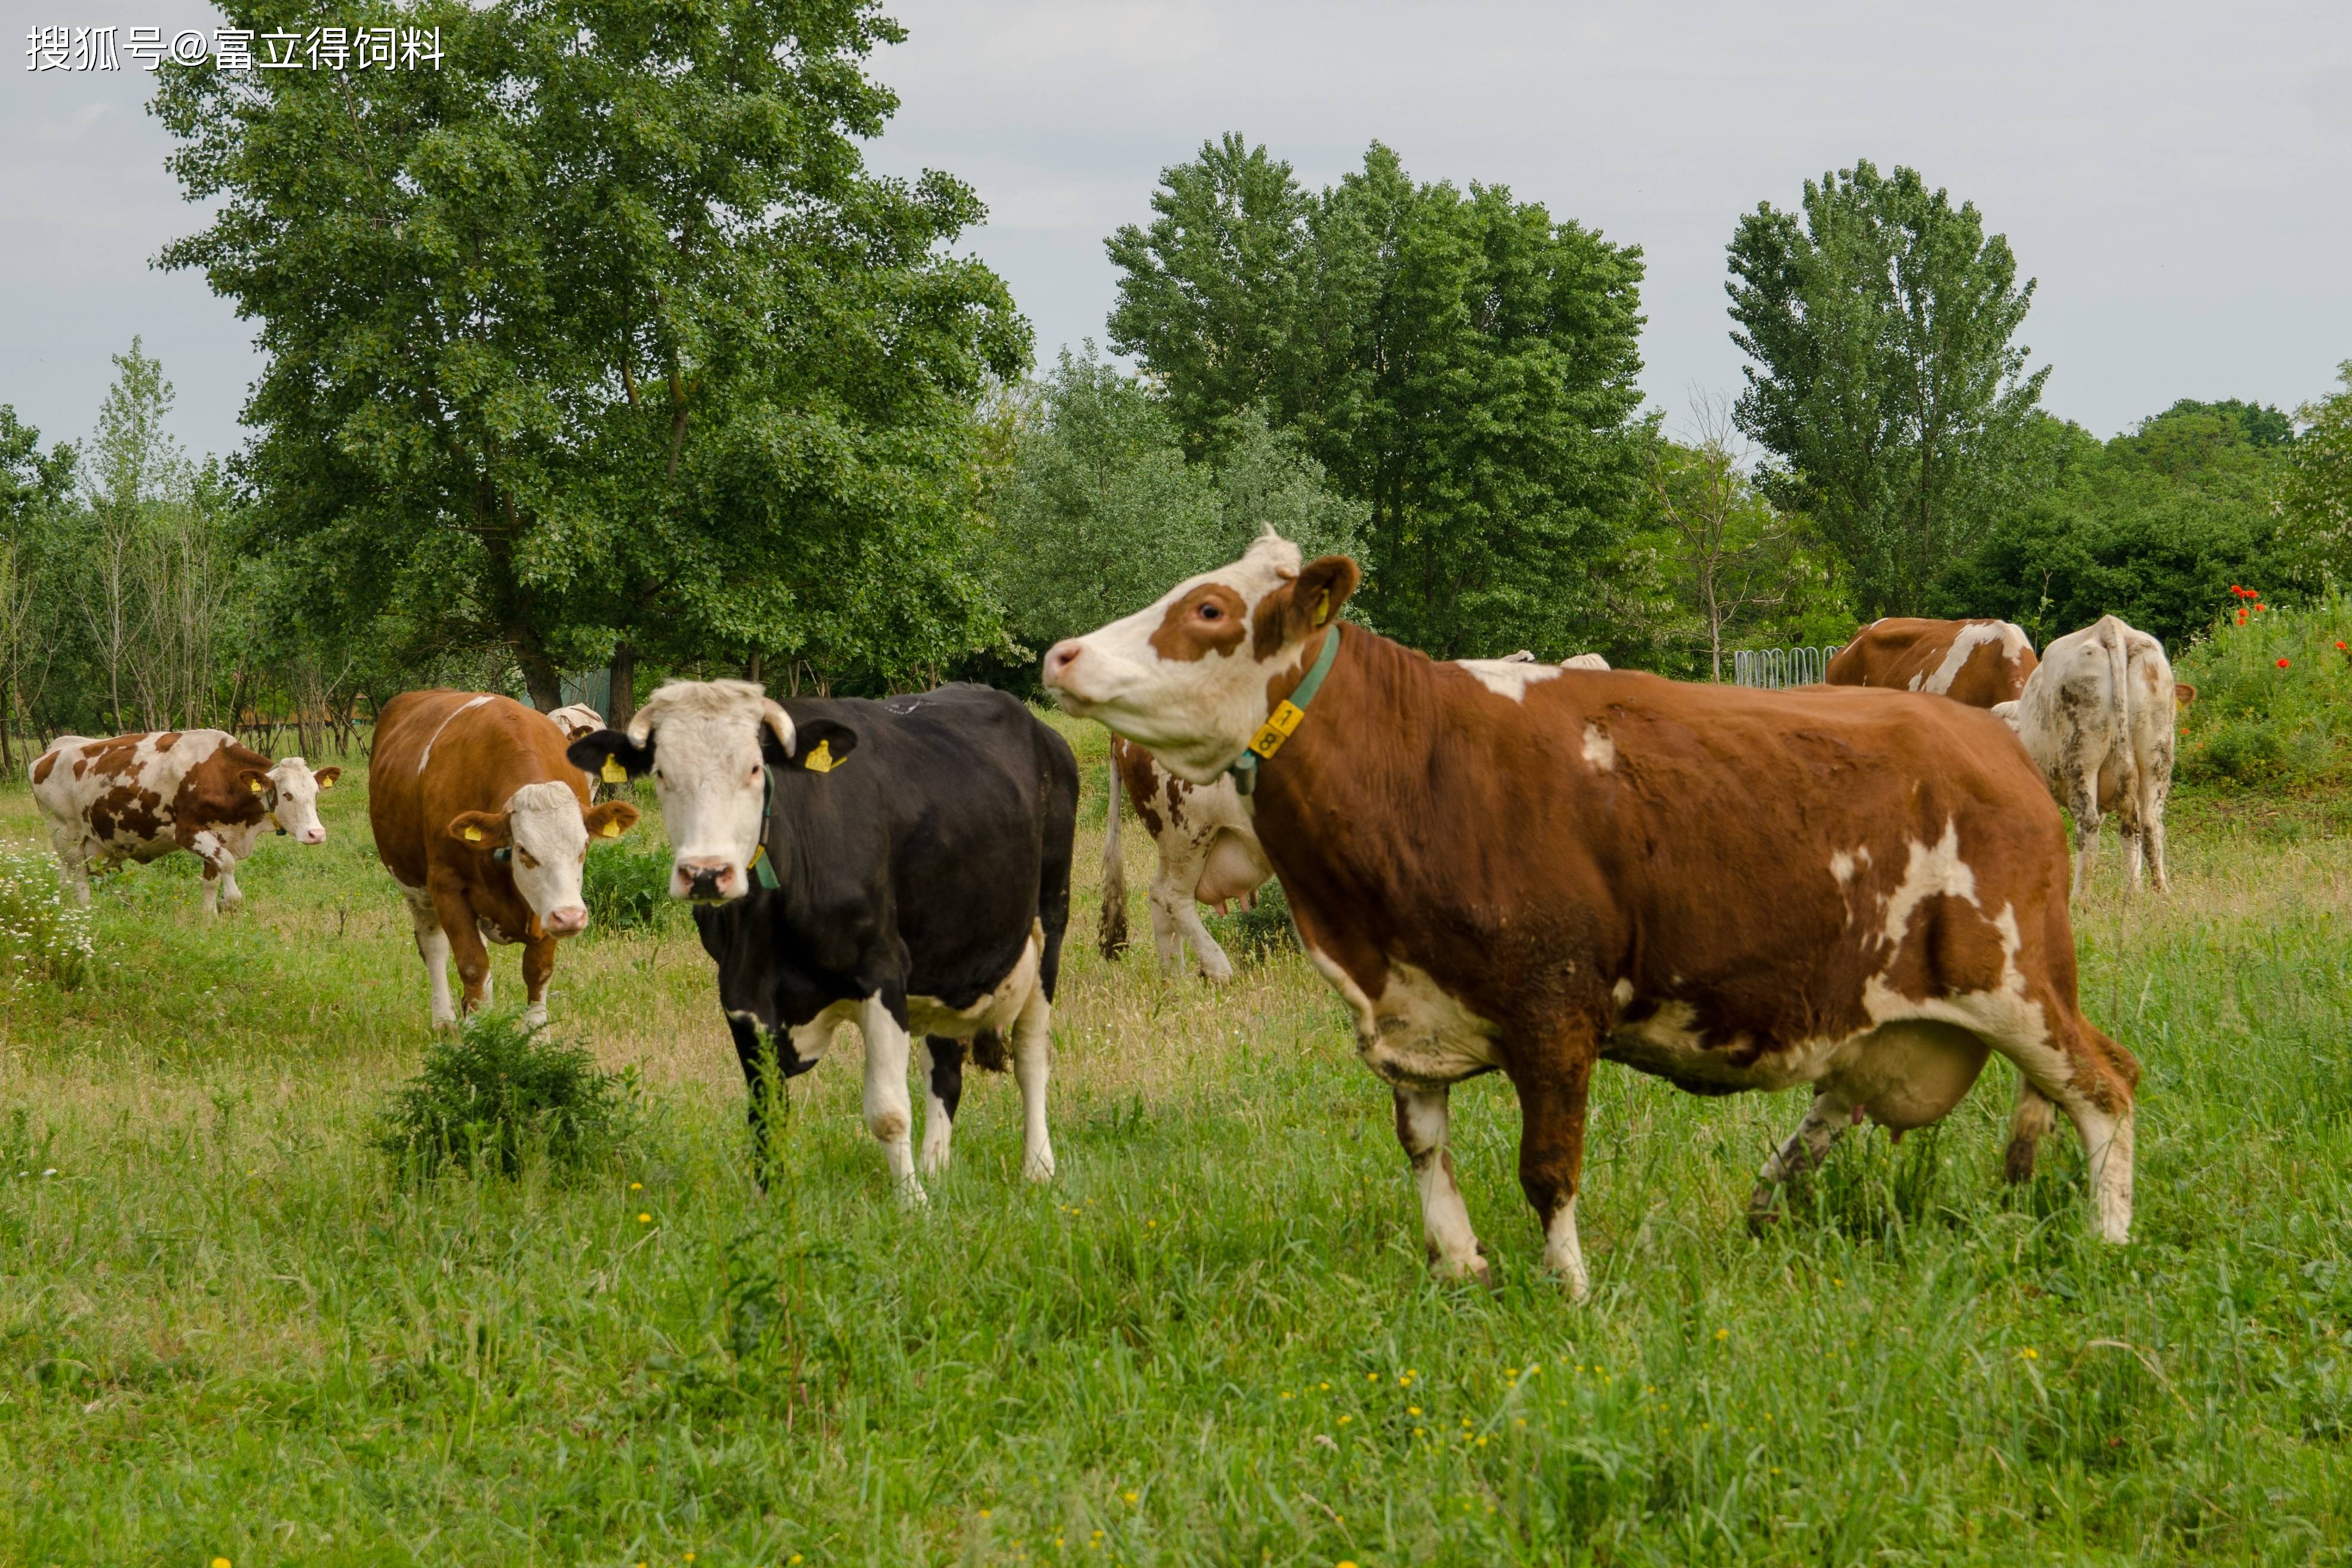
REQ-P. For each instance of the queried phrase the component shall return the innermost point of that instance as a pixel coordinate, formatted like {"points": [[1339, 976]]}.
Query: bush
{"points": [[625, 886], [2260, 722], [1255, 932], [498, 1093], [44, 939]]}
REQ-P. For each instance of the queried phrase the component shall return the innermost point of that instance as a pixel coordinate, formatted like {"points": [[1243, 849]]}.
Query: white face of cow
{"points": [[546, 845], [711, 779], [1187, 678], [294, 791]]}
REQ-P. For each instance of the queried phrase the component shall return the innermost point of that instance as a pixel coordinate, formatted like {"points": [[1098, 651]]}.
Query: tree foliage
{"points": [[602, 333], [1886, 381], [1462, 365], [2316, 494]]}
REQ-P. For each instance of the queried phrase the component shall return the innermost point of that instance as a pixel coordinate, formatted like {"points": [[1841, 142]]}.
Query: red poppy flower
{"points": [[2260, 605], [2282, 664], [2235, 589], [2241, 615]]}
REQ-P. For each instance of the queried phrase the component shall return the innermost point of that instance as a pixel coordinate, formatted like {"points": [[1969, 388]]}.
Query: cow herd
{"points": [[1499, 865]]}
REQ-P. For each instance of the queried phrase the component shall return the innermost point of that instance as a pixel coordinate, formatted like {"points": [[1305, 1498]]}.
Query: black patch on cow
{"points": [[947, 1072], [925, 879], [588, 752]]}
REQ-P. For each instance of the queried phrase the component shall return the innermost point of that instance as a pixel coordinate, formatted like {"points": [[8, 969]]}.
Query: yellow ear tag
{"points": [[1323, 607], [611, 827], [820, 760], [473, 835], [257, 787], [613, 773], [326, 783]]}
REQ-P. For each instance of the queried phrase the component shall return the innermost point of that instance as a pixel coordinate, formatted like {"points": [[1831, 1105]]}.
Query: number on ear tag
{"points": [[473, 835], [612, 772], [820, 760], [611, 828]]}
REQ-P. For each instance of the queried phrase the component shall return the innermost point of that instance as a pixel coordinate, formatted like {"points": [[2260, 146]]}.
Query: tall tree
{"points": [[1881, 319], [136, 472], [1460, 363], [601, 334], [34, 486]]}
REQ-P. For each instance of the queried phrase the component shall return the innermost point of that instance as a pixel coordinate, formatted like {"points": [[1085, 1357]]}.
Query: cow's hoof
{"points": [[1763, 1210], [1038, 1167], [1474, 1270], [911, 1195]]}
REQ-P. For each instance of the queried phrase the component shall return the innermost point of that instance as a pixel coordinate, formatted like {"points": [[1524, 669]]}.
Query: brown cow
{"points": [[1525, 870], [484, 824], [1975, 662], [141, 797]]}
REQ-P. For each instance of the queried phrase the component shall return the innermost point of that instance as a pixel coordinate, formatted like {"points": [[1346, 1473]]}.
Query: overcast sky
{"points": [[2178, 175]]}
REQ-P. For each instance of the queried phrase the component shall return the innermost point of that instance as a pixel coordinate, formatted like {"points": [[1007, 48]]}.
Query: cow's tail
{"points": [[1112, 937], [2116, 637]]}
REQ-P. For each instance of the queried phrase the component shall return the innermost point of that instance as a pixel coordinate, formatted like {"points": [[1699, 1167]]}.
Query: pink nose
{"points": [[1059, 659], [564, 922], [315, 835], [704, 879]]}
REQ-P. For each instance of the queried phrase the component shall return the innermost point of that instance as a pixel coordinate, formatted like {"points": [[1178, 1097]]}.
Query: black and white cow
{"points": [[901, 865]]}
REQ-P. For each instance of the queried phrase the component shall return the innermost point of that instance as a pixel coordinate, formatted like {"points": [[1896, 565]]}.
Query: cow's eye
{"points": [[526, 859], [1212, 611]]}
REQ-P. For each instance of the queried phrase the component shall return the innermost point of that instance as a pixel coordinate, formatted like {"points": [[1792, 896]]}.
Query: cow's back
{"points": [[1977, 662], [130, 789]]}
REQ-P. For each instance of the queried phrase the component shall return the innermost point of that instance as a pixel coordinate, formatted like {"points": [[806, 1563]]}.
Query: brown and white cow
{"points": [[1207, 853], [484, 824], [141, 797], [1520, 869], [1975, 662], [2098, 718], [576, 719]]}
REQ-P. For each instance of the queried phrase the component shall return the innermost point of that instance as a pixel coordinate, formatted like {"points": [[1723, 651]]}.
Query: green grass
{"points": [[227, 1329]]}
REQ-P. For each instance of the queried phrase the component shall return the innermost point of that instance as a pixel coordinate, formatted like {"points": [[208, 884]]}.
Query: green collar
{"points": [[1285, 718], [762, 866]]}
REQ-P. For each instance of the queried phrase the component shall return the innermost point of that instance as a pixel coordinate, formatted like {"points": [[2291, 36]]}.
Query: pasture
{"points": [[226, 1330]]}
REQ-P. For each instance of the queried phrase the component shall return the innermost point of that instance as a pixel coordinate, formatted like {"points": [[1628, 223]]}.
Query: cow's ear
{"points": [[327, 777], [254, 781], [611, 819], [611, 755], [1292, 613], [483, 830], [2183, 694], [822, 745]]}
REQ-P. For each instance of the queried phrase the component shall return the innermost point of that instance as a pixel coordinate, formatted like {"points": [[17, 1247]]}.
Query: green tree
{"points": [[2317, 497], [34, 485], [1887, 383], [1462, 365], [601, 335]]}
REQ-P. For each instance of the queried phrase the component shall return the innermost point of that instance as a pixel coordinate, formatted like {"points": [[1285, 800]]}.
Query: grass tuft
{"points": [[500, 1094], [44, 940]]}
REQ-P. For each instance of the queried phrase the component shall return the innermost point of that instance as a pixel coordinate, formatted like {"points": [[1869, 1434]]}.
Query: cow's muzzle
{"points": [[565, 922], [706, 881]]}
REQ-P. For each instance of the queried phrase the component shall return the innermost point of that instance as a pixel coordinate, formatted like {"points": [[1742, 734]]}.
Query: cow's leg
{"points": [[433, 947], [207, 847], [538, 964], [73, 863], [1551, 1160], [1215, 964], [231, 894], [2151, 817], [1176, 913], [466, 943], [2027, 1126], [1420, 1123], [942, 1064], [2091, 1079], [1164, 939], [1032, 1058], [1825, 1118], [889, 1113], [2083, 800]]}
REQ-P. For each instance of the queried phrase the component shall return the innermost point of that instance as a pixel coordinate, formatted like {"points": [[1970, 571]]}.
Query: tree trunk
{"points": [[752, 666], [621, 700], [541, 680]]}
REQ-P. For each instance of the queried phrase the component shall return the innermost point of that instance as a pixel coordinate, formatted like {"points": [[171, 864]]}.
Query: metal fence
{"points": [[1777, 668]]}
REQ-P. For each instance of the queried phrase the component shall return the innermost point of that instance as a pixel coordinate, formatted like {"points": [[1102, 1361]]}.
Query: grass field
{"points": [[225, 1331]]}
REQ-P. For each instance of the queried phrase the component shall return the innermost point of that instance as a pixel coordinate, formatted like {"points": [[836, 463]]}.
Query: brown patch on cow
{"points": [[1206, 621], [126, 813], [1177, 790], [109, 759], [167, 740], [218, 792], [1297, 608], [1135, 774], [42, 769], [1900, 650]]}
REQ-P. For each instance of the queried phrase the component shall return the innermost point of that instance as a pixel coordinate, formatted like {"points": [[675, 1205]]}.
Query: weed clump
{"points": [[2274, 706], [44, 939], [498, 1095], [625, 886], [1262, 930]]}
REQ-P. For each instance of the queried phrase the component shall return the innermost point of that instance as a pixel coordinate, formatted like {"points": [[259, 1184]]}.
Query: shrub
{"points": [[1255, 932], [44, 939], [497, 1093], [625, 886], [2259, 722]]}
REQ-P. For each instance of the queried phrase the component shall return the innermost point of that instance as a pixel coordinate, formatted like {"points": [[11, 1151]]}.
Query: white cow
{"points": [[2098, 717]]}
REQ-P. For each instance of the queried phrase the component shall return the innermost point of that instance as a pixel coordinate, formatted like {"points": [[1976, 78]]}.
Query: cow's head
{"points": [[709, 745], [542, 835], [290, 794], [1187, 678], [576, 719]]}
